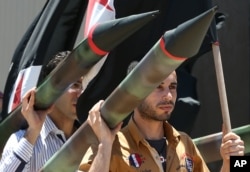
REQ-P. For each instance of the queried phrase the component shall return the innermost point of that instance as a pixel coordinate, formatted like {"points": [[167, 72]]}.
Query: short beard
{"points": [[147, 112]]}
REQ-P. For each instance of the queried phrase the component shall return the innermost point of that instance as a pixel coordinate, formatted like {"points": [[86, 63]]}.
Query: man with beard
{"points": [[149, 143]]}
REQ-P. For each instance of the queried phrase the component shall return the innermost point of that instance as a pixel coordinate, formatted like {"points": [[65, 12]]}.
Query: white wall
{"points": [[15, 18]]}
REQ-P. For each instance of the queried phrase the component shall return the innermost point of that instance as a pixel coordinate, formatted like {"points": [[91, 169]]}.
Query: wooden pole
{"points": [[221, 87]]}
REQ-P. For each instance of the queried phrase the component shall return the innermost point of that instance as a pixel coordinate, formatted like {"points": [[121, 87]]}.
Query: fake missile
{"points": [[102, 39], [164, 57]]}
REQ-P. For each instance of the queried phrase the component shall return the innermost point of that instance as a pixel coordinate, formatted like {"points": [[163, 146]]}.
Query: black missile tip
{"points": [[153, 13], [156, 12], [216, 7]]}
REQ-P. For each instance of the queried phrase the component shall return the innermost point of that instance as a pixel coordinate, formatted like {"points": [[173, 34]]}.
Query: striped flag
{"points": [[98, 11], [54, 29]]}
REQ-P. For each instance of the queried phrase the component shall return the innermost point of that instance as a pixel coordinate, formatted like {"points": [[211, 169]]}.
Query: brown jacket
{"points": [[131, 153]]}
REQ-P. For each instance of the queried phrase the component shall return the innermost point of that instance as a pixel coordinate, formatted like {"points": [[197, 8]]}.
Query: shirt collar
{"points": [[170, 132], [134, 131], [49, 127], [172, 135]]}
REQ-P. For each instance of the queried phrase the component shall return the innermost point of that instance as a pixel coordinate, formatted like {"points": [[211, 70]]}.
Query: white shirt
{"points": [[20, 155]]}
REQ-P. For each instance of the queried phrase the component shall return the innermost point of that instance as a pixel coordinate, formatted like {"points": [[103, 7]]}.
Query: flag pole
{"points": [[221, 86]]}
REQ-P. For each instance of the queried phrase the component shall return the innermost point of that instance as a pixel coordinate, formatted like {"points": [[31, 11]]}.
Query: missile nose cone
{"points": [[185, 40], [105, 36]]}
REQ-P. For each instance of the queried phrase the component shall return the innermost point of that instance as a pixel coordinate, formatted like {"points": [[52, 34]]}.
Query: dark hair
{"points": [[54, 61]]}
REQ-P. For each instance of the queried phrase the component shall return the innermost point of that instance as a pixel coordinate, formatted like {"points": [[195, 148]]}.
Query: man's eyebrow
{"points": [[172, 83]]}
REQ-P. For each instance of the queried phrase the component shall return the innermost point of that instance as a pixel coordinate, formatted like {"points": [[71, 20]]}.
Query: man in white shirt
{"points": [[30, 149]]}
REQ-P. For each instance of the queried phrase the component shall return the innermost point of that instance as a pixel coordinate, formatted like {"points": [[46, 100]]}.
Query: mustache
{"points": [[166, 103]]}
